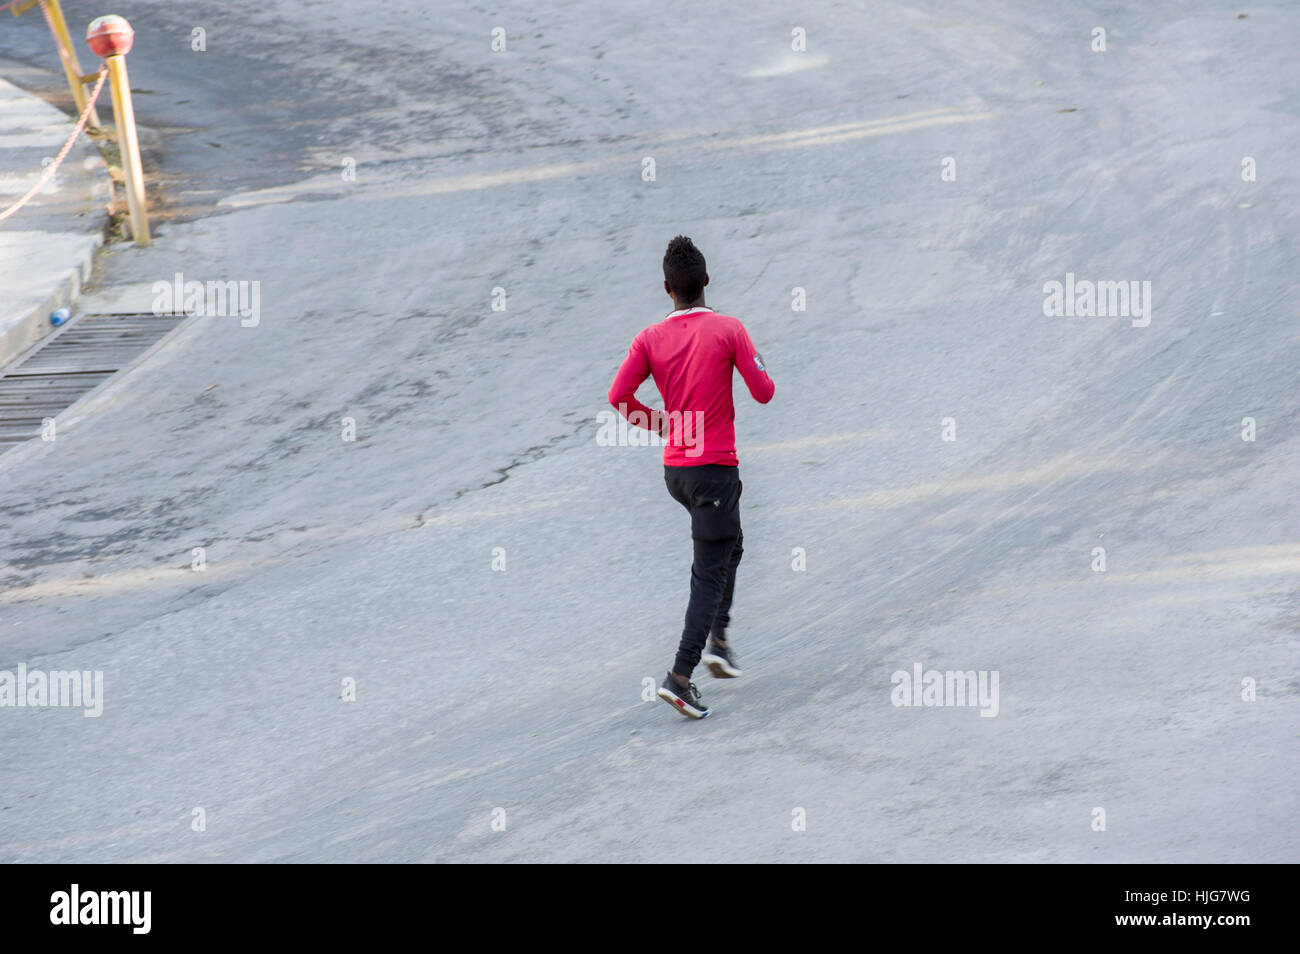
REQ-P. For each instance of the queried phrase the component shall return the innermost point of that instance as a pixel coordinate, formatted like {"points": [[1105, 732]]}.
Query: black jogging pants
{"points": [[711, 494]]}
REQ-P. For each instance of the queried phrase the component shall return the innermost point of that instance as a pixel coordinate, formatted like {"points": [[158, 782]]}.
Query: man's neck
{"points": [[685, 306]]}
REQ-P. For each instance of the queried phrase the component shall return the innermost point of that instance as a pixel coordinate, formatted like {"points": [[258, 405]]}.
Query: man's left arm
{"points": [[750, 365]]}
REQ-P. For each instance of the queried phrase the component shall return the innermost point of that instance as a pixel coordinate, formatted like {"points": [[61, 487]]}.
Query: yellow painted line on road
{"points": [[1063, 467], [220, 568], [794, 139]]}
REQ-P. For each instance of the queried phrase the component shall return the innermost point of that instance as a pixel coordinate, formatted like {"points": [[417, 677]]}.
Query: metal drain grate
{"points": [[69, 364]]}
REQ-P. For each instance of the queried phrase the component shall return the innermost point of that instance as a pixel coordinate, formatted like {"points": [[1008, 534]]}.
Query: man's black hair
{"points": [[684, 269]]}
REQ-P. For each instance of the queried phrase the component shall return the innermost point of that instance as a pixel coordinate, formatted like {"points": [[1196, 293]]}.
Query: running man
{"points": [[691, 354]]}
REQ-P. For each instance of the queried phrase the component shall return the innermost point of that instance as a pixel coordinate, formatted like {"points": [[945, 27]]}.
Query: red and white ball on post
{"points": [[110, 36]]}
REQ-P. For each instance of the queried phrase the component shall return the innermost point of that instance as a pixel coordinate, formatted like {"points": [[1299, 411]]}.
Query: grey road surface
{"points": [[379, 170]]}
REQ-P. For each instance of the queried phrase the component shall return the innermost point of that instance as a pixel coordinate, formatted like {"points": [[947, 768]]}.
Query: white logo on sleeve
{"points": [[758, 361]]}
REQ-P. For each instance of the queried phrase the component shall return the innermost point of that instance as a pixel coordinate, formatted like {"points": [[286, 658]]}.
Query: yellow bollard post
{"points": [[111, 37], [124, 119], [68, 56]]}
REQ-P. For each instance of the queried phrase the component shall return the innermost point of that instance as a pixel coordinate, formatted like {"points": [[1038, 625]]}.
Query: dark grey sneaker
{"points": [[721, 662], [686, 701]]}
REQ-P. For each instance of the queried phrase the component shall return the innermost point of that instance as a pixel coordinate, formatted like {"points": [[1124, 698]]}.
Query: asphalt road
{"points": [[476, 435]]}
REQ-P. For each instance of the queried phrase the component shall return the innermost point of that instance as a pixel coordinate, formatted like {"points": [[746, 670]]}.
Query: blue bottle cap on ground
{"points": [[59, 315]]}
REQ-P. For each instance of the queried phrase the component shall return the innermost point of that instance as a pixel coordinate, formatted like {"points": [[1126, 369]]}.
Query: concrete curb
{"points": [[75, 257], [47, 249]]}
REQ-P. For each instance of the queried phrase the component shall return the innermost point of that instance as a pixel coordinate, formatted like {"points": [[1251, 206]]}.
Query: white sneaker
{"points": [[721, 662]]}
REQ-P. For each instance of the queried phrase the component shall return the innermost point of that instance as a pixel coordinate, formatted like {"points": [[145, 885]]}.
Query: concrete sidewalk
{"points": [[47, 248]]}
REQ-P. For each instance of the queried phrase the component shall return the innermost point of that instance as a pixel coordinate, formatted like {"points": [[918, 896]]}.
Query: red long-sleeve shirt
{"points": [[691, 354]]}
